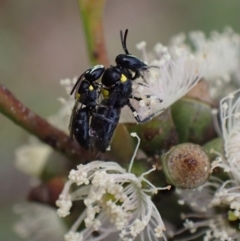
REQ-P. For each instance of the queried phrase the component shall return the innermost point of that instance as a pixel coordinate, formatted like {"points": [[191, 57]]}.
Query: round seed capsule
{"points": [[186, 166]]}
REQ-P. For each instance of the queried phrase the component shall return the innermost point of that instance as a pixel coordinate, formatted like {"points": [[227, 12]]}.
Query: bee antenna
{"points": [[124, 40]]}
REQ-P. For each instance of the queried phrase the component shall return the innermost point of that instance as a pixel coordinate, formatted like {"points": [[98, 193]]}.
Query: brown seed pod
{"points": [[186, 166]]}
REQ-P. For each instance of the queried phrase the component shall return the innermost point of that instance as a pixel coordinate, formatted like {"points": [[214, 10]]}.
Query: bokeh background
{"points": [[42, 41]]}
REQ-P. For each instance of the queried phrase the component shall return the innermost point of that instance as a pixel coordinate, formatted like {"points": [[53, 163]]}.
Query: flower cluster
{"points": [[222, 52], [205, 221], [171, 76], [38, 222], [229, 193], [34, 151], [117, 202], [218, 193]]}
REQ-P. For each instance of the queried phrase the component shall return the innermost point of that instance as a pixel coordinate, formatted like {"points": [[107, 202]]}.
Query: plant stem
{"points": [[92, 16]]}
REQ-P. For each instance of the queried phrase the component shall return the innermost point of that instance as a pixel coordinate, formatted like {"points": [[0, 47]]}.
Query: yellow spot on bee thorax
{"points": [[77, 96], [123, 78], [90, 87], [105, 93]]}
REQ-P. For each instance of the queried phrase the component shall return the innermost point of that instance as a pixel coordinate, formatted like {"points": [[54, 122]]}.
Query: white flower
{"points": [[208, 223], [68, 84], [31, 158], [38, 222], [117, 202], [229, 192], [215, 229], [171, 76], [215, 192], [230, 121], [222, 52]]}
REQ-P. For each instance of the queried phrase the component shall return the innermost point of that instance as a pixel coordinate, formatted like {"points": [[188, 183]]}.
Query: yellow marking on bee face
{"points": [[123, 78], [90, 87], [105, 93], [77, 96]]}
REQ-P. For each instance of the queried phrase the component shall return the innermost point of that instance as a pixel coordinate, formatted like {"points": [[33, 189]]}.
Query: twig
{"points": [[31, 122], [92, 16]]}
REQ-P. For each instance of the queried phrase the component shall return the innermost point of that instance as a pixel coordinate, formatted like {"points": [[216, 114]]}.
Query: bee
{"points": [[117, 91], [93, 123], [86, 95]]}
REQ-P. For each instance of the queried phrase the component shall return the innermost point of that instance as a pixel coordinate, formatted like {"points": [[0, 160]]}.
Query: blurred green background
{"points": [[42, 41]]}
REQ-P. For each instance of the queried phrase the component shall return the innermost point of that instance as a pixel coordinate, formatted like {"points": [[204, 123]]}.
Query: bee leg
{"points": [[137, 75], [102, 117], [104, 106], [147, 96], [150, 117], [137, 118], [135, 114]]}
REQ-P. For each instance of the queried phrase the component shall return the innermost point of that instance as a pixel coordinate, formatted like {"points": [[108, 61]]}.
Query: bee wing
{"points": [[93, 148], [72, 118], [92, 144]]}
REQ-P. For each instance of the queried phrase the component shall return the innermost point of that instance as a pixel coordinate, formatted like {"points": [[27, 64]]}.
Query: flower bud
{"points": [[214, 148], [31, 159], [186, 166], [193, 120]]}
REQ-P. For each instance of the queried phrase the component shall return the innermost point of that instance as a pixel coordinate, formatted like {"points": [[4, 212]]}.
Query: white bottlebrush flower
{"points": [[225, 195], [68, 84], [38, 222], [208, 223], [222, 52], [229, 192], [209, 228], [31, 158], [230, 121], [117, 202], [171, 76]]}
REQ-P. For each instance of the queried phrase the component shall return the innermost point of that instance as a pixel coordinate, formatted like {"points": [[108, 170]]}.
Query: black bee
{"points": [[117, 90], [93, 124], [86, 95], [90, 76]]}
